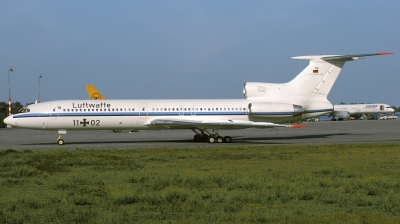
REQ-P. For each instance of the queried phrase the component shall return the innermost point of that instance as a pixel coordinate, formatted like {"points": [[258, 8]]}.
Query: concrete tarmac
{"points": [[315, 133]]}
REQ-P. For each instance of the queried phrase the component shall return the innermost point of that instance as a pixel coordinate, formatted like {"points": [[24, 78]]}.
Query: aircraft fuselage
{"points": [[138, 114]]}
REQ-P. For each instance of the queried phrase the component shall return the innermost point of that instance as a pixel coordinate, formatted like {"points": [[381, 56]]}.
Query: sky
{"points": [[193, 49]]}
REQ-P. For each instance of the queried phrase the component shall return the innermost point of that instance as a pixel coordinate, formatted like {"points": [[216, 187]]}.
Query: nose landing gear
{"points": [[60, 141]]}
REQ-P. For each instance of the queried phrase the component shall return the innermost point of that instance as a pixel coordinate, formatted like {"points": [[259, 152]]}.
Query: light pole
{"points": [[40, 76], [9, 91]]}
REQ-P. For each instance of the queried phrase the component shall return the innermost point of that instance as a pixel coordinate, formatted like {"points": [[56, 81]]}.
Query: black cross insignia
{"points": [[84, 122]]}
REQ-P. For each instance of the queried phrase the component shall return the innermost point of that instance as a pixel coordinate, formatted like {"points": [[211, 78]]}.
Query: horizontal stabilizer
{"points": [[354, 57]]}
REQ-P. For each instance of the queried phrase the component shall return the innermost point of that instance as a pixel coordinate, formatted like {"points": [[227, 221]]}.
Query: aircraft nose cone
{"points": [[9, 120]]}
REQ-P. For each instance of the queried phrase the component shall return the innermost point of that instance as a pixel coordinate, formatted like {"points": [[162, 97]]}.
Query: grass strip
{"points": [[338, 183]]}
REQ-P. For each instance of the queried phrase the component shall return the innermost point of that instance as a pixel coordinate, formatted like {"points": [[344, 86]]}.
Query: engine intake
{"points": [[261, 89]]}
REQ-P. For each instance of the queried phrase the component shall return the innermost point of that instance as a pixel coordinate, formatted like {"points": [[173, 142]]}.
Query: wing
{"points": [[218, 124]]}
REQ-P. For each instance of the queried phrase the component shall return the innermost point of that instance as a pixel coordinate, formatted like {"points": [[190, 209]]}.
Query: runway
{"points": [[315, 133]]}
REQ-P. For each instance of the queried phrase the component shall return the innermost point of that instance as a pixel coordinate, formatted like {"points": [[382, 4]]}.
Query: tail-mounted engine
{"points": [[275, 110]]}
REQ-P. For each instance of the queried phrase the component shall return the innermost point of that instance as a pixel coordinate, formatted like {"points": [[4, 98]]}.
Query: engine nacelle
{"points": [[342, 114], [274, 110]]}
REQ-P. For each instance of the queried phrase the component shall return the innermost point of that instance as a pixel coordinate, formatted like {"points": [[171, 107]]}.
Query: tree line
{"points": [[15, 107]]}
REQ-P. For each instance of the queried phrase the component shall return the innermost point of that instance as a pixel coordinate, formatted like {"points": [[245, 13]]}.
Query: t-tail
{"points": [[310, 88]]}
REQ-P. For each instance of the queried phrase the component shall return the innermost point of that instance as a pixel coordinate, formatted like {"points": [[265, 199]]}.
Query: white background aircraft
{"points": [[267, 105], [357, 110]]}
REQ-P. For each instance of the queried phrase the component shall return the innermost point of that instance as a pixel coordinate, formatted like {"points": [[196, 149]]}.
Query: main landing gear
{"points": [[211, 138]]}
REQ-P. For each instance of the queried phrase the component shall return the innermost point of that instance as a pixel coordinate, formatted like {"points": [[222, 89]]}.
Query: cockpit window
{"points": [[24, 110]]}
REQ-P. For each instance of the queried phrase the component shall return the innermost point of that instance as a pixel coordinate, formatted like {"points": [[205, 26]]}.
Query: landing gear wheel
{"points": [[227, 139], [219, 139], [211, 139], [60, 141], [197, 138]]}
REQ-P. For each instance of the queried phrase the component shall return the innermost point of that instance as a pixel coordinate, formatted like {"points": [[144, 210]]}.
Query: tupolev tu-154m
{"points": [[267, 105]]}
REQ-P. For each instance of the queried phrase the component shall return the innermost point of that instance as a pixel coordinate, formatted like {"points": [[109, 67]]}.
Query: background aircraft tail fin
{"points": [[93, 93]]}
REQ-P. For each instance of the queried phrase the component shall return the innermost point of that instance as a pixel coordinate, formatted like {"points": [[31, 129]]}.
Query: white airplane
{"points": [[358, 110], [267, 105]]}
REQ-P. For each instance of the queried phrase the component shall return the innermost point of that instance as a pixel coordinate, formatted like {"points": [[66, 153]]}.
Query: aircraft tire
{"points": [[204, 138], [227, 139], [211, 139], [219, 139], [60, 141]]}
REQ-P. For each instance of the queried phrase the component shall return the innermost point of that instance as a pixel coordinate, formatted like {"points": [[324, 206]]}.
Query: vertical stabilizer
{"points": [[317, 79], [93, 93]]}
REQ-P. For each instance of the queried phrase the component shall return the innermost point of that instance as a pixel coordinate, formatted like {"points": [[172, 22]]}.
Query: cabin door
{"points": [[143, 110], [54, 111]]}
